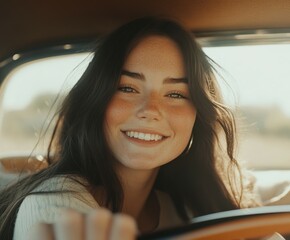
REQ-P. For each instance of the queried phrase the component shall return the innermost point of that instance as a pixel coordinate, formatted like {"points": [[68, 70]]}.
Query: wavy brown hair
{"points": [[192, 179]]}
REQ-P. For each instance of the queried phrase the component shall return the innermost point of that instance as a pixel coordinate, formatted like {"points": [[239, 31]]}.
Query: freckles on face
{"points": [[149, 120]]}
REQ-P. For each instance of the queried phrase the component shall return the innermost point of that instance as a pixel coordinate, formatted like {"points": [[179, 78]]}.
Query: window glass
{"points": [[260, 79], [29, 100]]}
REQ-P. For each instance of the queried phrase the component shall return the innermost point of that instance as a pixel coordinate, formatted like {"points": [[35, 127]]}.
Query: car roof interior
{"points": [[26, 25]]}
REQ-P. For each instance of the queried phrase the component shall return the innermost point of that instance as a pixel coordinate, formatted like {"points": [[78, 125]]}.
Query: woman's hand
{"points": [[100, 224]]}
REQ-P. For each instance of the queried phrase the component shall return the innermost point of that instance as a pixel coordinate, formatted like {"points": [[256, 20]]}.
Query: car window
{"points": [[31, 95], [258, 76], [254, 80]]}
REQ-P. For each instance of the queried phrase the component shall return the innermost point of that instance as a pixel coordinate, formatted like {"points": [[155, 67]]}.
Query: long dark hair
{"points": [[82, 151]]}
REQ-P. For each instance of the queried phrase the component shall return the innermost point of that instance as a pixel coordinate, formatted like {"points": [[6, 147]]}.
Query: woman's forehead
{"points": [[157, 52]]}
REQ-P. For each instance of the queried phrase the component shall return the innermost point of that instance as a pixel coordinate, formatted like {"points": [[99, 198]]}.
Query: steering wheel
{"points": [[252, 223]]}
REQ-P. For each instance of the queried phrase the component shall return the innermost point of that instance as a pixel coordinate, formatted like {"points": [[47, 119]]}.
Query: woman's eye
{"points": [[177, 95], [127, 89]]}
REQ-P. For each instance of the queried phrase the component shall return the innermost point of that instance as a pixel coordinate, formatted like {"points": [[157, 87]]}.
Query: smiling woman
{"points": [[139, 134]]}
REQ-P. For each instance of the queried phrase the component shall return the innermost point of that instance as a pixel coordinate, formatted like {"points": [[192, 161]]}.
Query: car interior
{"points": [[45, 46]]}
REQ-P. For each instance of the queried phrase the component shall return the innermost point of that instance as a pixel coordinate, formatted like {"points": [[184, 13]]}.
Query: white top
{"points": [[46, 207]]}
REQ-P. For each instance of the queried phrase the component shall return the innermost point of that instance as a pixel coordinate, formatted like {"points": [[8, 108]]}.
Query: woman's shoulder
{"points": [[62, 183], [45, 202], [64, 190]]}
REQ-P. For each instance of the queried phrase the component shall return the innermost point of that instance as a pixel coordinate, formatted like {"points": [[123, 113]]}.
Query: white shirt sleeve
{"points": [[47, 207]]}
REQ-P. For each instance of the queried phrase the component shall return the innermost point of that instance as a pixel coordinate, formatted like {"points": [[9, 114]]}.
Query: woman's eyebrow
{"points": [[175, 80], [140, 76], [135, 75]]}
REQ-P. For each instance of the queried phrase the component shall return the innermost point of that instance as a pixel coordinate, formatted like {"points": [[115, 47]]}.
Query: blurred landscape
{"points": [[28, 130], [264, 137], [264, 133]]}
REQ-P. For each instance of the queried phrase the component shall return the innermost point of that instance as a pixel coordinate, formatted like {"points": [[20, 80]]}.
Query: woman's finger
{"points": [[123, 227], [42, 231], [98, 224], [70, 226]]}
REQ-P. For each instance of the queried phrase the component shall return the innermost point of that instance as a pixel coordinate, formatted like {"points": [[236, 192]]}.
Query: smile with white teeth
{"points": [[144, 136]]}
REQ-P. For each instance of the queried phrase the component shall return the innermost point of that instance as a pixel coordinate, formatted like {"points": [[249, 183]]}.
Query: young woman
{"points": [[141, 133]]}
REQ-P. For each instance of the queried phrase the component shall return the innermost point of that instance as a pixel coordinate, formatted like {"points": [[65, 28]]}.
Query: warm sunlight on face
{"points": [[150, 118]]}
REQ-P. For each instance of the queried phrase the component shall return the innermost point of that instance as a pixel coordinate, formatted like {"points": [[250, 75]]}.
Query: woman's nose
{"points": [[149, 109]]}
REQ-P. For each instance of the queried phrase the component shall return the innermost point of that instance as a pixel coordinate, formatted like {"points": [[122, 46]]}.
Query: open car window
{"points": [[258, 91], [30, 97]]}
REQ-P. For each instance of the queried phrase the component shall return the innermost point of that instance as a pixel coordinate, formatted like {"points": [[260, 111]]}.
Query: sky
{"points": [[257, 76]]}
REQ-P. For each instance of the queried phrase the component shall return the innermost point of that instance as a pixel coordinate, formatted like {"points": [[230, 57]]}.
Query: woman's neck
{"points": [[137, 187], [149, 217], [140, 201]]}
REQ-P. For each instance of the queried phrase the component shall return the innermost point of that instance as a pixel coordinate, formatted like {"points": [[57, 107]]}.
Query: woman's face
{"points": [[150, 118]]}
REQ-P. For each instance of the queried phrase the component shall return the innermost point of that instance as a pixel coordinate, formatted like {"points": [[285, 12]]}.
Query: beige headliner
{"points": [[27, 23]]}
